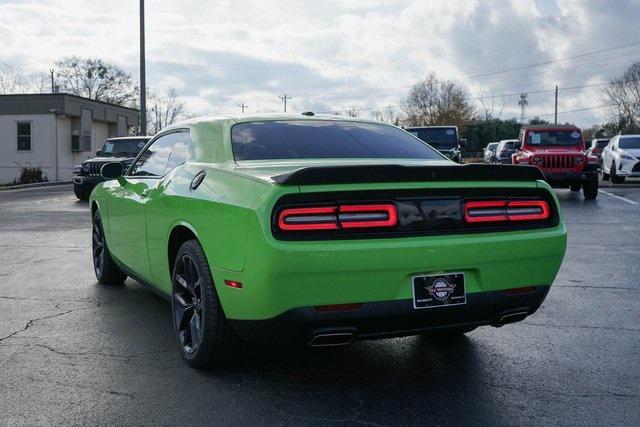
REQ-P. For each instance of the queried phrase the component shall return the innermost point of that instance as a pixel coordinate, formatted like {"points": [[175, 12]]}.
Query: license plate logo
{"points": [[439, 290]]}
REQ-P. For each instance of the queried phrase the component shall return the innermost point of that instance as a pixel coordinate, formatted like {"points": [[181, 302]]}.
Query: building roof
{"points": [[65, 104]]}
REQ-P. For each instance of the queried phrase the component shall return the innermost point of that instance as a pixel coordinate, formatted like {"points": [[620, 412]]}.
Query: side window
{"points": [[180, 150], [153, 161]]}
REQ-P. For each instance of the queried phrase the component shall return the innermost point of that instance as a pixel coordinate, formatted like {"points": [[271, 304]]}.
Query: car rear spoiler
{"points": [[399, 173]]}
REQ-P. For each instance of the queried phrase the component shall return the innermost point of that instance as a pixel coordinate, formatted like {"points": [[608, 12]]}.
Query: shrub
{"points": [[29, 174]]}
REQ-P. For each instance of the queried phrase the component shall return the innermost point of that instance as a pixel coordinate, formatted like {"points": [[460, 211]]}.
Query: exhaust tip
{"points": [[333, 339], [513, 317]]}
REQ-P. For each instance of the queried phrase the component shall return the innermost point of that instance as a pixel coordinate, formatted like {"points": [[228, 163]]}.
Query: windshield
{"points": [[601, 143], [120, 147], [568, 137], [317, 139], [492, 146], [437, 137], [629, 143]]}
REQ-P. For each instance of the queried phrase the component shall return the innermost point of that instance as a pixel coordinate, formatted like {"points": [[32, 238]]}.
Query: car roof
{"points": [[550, 127], [432, 127], [124, 138], [630, 136], [245, 118]]}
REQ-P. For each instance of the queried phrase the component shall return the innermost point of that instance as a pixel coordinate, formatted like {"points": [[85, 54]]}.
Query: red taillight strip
{"points": [[485, 211], [322, 218], [528, 210], [506, 210], [365, 216], [336, 217]]}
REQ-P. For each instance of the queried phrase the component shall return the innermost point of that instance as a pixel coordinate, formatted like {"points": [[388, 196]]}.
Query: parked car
{"points": [[596, 146], [87, 175], [321, 230], [490, 152], [506, 148], [559, 153], [442, 138], [621, 158]]}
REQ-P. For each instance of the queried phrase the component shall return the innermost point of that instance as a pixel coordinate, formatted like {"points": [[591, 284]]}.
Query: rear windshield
{"points": [[601, 143], [554, 137], [317, 139], [629, 143], [119, 147], [437, 137]]}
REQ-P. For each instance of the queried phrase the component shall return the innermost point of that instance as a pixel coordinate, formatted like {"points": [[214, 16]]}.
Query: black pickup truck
{"points": [[87, 175]]}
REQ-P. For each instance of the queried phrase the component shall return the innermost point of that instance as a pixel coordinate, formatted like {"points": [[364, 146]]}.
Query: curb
{"points": [[34, 185]]}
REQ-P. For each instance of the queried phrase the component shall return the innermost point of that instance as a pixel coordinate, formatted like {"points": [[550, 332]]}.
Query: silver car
{"points": [[621, 158], [490, 152]]}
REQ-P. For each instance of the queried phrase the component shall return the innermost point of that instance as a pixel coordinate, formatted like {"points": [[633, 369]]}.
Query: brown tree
{"points": [[164, 110], [437, 102]]}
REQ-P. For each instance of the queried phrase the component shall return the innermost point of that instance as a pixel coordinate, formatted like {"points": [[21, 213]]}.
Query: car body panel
{"points": [[231, 212]]}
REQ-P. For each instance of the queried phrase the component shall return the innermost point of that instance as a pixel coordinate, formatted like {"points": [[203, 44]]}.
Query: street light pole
{"points": [[143, 79]]}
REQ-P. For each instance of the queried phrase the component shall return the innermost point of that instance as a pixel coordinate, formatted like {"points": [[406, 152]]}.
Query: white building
{"points": [[56, 132]]}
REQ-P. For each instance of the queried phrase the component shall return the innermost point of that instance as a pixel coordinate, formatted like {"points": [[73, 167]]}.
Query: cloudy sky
{"points": [[332, 55]]}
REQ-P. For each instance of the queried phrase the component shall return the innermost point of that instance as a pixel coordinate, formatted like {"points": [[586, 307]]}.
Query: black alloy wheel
{"points": [[103, 265], [187, 304], [203, 334]]}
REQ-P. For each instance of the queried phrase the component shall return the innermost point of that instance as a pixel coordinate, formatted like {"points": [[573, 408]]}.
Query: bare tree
{"points": [[11, 80], [96, 79], [437, 102], [164, 111], [491, 110], [623, 94], [352, 112], [388, 115]]}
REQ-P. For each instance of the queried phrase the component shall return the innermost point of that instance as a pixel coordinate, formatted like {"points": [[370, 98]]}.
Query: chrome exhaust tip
{"points": [[333, 339]]}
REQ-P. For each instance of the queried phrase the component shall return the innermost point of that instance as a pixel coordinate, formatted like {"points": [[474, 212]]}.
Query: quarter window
{"points": [[24, 136]]}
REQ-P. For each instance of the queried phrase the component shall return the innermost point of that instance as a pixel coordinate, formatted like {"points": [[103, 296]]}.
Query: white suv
{"points": [[621, 158]]}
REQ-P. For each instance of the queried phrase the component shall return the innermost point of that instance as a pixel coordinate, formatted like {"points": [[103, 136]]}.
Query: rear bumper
{"points": [[390, 318]]}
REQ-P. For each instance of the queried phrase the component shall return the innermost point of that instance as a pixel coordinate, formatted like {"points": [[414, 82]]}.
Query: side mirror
{"points": [[112, 170], [463, 142], [98, 153]]}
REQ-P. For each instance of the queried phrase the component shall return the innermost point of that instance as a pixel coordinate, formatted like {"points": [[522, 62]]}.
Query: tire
{"points": [[203, 334], [605, 176], [590, 188], [614, 176], [575, 187], [81, 193], [106, 270]]}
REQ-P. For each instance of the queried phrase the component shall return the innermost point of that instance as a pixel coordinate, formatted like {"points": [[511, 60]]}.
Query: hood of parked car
{"points": [[635, 152], [110, 159]]}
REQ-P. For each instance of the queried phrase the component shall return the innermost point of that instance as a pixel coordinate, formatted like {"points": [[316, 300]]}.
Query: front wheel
{"points": [[203, 333], [107, 272], [590, 188], [81, 192], [614, 176]]}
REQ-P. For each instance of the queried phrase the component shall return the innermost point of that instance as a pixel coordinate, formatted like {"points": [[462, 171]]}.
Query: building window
{"points": [[24, 136]]}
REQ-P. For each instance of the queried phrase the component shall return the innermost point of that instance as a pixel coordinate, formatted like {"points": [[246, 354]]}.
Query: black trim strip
{"points": [[400, 173]]}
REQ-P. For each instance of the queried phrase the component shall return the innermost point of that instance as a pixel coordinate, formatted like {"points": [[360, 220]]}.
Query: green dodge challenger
{"points": [[322, 230]]}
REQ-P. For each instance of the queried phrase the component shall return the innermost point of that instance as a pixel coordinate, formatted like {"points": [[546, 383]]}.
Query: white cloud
{"points": [[335, 54]]}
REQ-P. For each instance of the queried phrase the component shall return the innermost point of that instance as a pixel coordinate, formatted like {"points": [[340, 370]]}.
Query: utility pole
{"points": [[555, 121], [143, 78], [284, 100], [243, 106], [523, 106], [53, 84]]}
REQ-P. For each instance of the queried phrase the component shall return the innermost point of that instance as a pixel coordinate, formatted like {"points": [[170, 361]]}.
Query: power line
{"points": [[284, 100]]}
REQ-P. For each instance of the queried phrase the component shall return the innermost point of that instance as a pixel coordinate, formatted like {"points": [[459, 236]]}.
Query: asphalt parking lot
{"points": [[74, 352]]}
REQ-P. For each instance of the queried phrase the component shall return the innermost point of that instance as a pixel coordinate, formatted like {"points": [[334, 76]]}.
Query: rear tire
{"points": [[614, 176], [81, 193], [590, 188], [203, 334], [106, 270]]}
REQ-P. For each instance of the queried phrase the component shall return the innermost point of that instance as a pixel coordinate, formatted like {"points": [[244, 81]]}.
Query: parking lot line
{"points": [[619, 197]]}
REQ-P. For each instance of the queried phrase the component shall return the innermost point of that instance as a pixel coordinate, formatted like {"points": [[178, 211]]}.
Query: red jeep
{"points": [[559, 152]]}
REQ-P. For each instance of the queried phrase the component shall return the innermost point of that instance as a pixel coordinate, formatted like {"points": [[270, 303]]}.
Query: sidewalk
{"points": [[33, 185]]}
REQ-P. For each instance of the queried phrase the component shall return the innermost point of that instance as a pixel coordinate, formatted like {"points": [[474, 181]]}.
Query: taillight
{"points": [[338, 217], [506, 210]]}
